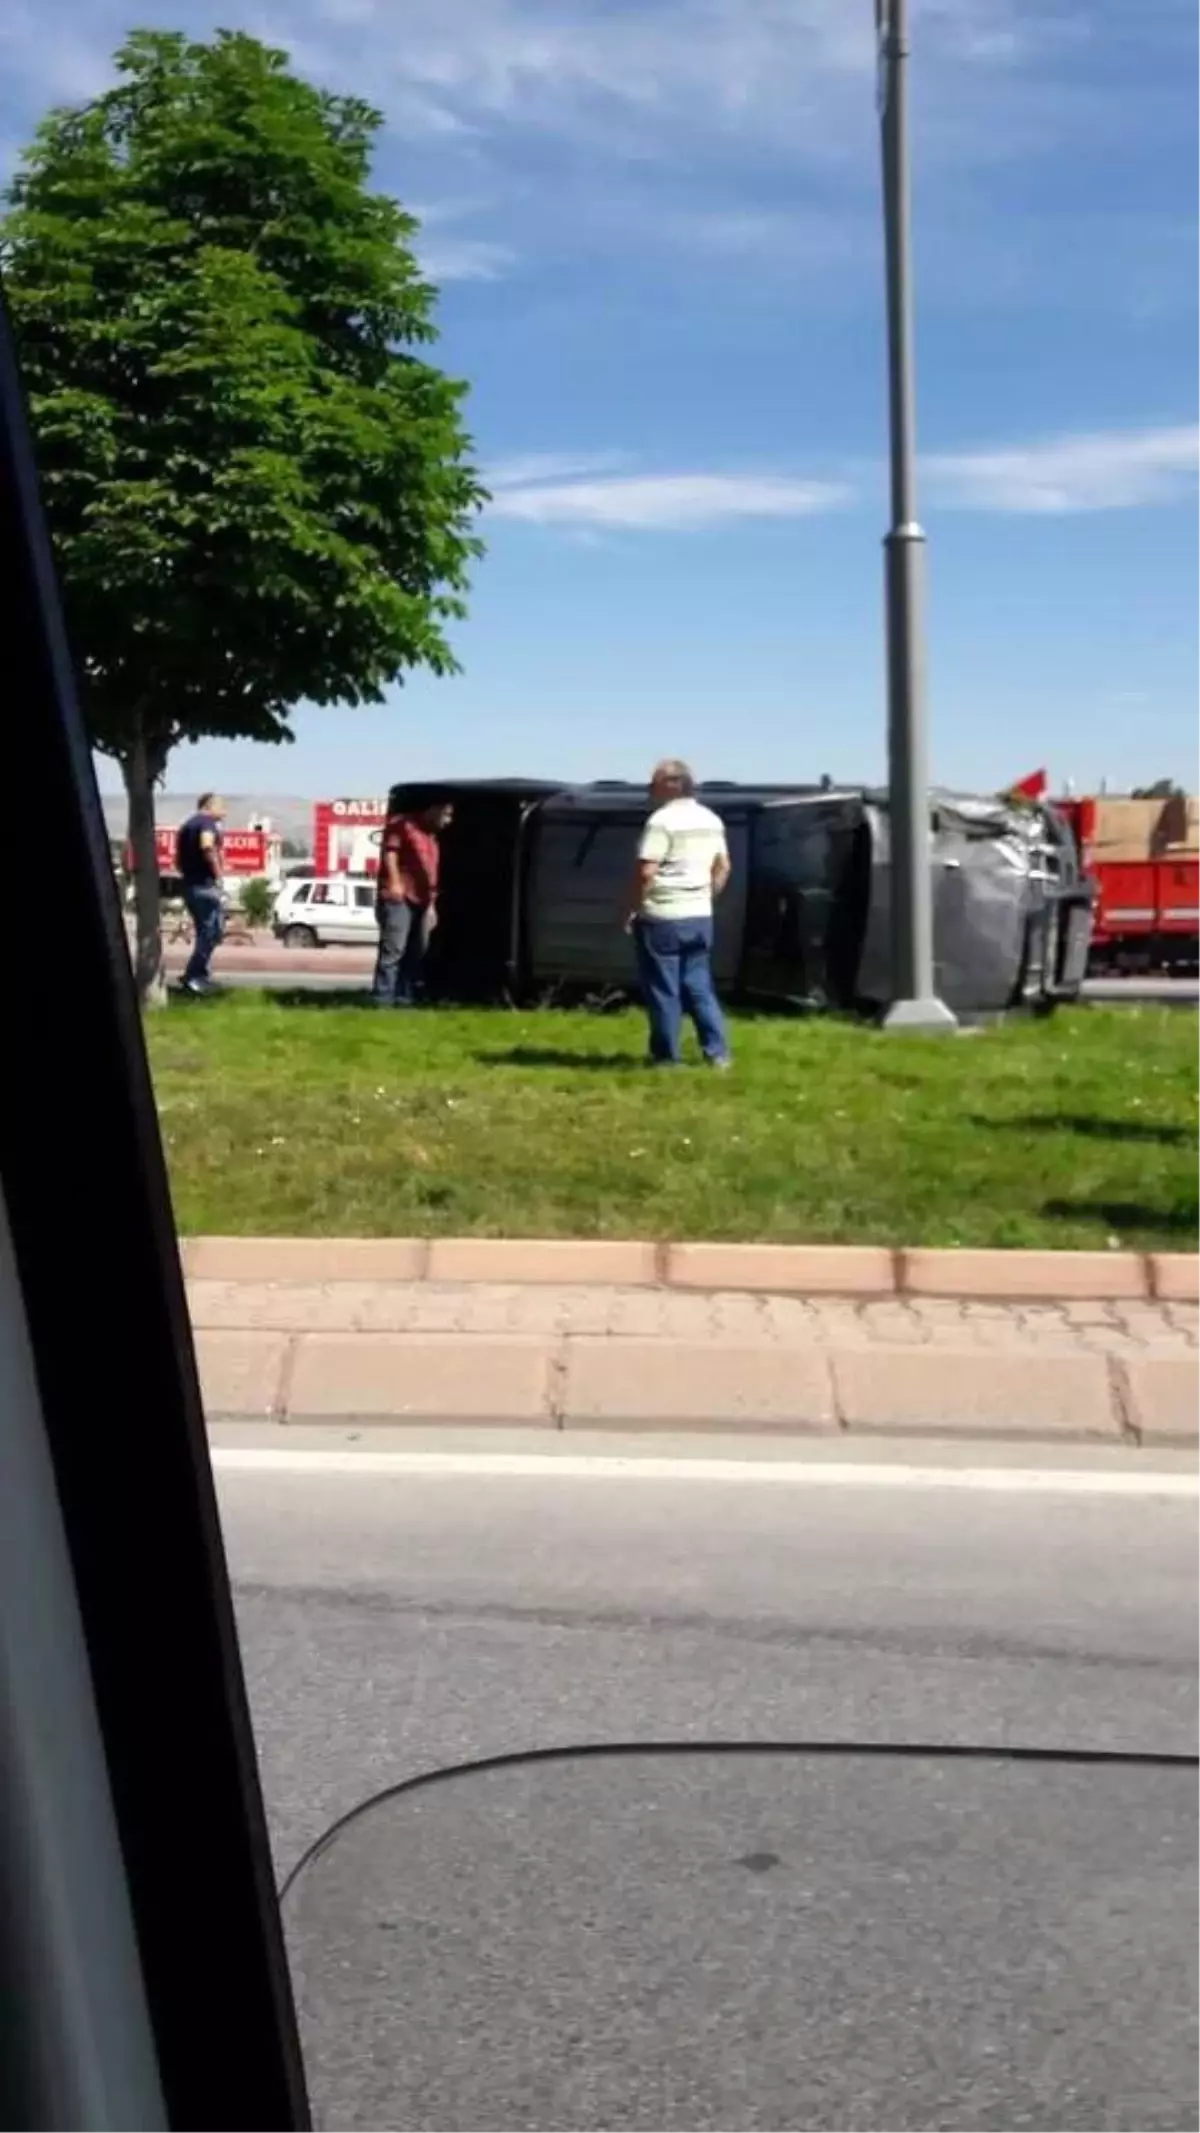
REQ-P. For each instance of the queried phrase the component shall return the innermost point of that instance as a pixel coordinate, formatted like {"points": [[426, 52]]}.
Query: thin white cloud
{"points": [[664, 503], [738, 134], [448, 252], [804, 239], [795, 73], [451, 258], [1115, 470], [652, 123], [523, 469], [1059, 476], [520, 57]]}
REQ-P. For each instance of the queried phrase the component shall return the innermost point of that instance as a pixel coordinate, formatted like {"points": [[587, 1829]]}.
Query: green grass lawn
{"points": [[309, 1116]]}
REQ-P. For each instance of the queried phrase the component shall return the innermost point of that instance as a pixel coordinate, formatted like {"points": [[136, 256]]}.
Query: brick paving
{"points": [[579, 1355], [740, 1318]]}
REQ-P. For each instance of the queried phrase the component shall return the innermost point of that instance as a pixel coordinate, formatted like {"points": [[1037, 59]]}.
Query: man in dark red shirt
{"points": [[407, 902]]}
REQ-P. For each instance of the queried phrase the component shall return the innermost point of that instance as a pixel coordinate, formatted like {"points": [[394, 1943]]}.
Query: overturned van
{"points": [[536, 878]]}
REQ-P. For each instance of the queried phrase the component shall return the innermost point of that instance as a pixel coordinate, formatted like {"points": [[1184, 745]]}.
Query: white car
{"points": [[334, 910]]}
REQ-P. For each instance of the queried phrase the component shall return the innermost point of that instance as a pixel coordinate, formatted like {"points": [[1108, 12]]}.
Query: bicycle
{"points": [[179, 932]]}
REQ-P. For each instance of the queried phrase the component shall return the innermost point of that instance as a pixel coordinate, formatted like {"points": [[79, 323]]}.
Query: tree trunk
{"points": [[141, 766]]}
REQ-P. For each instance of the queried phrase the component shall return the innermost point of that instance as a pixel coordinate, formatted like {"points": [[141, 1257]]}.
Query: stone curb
{"points": [[781, 1269], [570, 1381]]}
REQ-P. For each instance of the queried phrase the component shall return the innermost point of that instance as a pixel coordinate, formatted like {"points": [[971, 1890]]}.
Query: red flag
{"points": [[1034, 787]]}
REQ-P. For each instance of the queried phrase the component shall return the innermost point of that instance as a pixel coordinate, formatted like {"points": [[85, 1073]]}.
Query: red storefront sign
{"points": [[347, 835], [243, 852]]}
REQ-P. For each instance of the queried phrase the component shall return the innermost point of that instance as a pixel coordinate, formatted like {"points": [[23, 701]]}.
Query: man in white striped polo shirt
{"points": [[683, 865]]}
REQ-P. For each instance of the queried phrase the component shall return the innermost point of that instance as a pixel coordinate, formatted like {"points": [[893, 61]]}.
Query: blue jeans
{"points": [[207, 913], [674, 964], [403, 938]]}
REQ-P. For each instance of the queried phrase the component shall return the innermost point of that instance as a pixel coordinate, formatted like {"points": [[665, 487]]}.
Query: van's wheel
{"points": [[299, 937]]}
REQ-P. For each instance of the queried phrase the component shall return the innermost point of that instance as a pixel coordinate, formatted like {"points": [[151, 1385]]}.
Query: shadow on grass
{"points": [[548, 1055], [1122, 1215], [351, 995], [328, 996], [1091, 1128]]}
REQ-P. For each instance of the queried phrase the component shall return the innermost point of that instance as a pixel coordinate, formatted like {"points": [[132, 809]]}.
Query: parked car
{"points": [[333, 910]]}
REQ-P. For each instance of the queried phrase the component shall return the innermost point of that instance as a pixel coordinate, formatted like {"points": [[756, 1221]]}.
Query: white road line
{"points": [[770, 1473]]}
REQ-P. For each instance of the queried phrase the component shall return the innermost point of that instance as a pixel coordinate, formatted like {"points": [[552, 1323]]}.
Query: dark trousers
{"points": [[207, 913], [404, 931], [675, 966]]}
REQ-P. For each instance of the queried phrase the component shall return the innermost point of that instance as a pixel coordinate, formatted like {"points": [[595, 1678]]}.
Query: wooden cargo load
{"points": [[1124, 829], [1190, 840]]}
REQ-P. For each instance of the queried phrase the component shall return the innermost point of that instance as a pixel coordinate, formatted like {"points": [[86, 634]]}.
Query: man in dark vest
{"points": [[198, 861]]}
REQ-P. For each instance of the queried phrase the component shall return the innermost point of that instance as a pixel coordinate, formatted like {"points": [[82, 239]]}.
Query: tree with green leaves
{"points": [[257, 899], [259, 491]]}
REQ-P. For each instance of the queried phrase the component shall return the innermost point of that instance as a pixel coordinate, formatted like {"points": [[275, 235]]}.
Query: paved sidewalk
{"points": [[584, 1356], [467, 1308]]}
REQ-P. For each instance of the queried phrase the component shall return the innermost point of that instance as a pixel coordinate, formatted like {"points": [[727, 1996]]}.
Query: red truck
{"points": [[1141, 852], [1147, 914]]}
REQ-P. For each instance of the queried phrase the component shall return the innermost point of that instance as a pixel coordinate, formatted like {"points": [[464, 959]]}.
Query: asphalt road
{"points": [[1143, 991], [271, 968], [695, 1941]]}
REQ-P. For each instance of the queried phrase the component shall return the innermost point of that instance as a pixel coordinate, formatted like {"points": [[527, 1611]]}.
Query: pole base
{"points": [[931, 1015]]}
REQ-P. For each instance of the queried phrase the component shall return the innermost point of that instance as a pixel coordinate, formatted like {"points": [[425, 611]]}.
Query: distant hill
{"points": [[287, 813]]}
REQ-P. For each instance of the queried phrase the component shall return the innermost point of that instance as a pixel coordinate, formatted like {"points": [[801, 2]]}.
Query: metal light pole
{"points": [[914, 1003]]}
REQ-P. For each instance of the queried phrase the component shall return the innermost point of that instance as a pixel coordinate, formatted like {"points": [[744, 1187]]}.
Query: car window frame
{"points": [[132, 1478]]}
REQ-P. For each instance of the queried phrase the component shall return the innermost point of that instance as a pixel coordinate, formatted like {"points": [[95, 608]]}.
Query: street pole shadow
{"points": [[1149, 1132], [1122, 1216], [554, 1057], [320, 1002]]}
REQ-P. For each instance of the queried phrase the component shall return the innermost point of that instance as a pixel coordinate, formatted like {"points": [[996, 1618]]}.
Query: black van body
{"points": [[535, 877]]}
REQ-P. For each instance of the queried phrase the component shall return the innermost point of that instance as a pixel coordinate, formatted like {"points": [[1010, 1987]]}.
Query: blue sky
{"points": [[655, 225]]}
